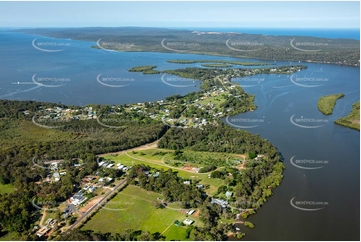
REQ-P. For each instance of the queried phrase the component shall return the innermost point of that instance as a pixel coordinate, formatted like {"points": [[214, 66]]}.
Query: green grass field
{"points": [[8, 188], [10, 236], [133, 208], [175, 233]]}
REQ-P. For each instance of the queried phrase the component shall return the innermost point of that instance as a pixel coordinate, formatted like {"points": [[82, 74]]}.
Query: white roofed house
{"points": [[188, 221], [56, 176]]}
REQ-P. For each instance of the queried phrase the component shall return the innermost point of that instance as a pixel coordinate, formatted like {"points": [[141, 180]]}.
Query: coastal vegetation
{"points": [[353, 119], [326, 103], [237, 45], [145, 69], [218, 62], [249, 224], [216, 65]]}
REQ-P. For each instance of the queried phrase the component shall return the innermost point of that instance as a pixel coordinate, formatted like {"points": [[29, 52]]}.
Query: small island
{"points": [[216, 65], [218, 62], [353, 119], [327, 103], [145, 69]]}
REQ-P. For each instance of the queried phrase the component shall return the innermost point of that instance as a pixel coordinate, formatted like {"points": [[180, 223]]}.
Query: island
{"points": [[326, 103], [225, 62], [353, 119], [145, 69]]}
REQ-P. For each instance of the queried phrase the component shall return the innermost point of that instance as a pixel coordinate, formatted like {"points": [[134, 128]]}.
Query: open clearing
{"points": [[133, 208], [154, 157], [8, 188]]}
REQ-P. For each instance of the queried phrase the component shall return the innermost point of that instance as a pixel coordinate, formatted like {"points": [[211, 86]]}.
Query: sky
{"points": [[181, 14]]}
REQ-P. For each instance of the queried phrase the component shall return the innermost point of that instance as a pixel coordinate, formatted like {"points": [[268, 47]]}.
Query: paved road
{"points": [[95, 206]]}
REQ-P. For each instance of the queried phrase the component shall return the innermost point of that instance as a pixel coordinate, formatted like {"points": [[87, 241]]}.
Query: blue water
{"points": [[278, 97], [322, 33], [80, 65]]}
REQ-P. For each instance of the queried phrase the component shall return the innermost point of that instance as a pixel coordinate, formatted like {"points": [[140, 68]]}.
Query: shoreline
{"points": [[195, 52]]}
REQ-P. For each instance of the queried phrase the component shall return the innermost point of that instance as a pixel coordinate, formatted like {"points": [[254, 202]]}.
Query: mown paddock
{"points": [[154, 158], [133, 208]]}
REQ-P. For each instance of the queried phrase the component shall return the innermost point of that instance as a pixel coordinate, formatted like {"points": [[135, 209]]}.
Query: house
{"points": [[77, 198], [200, 186], [42, 231], [229, 194], [220, 202], [188, 221], [56, 176], [110, 165], [156, 174], [190, 212], [187, 182], [101, 163]]}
